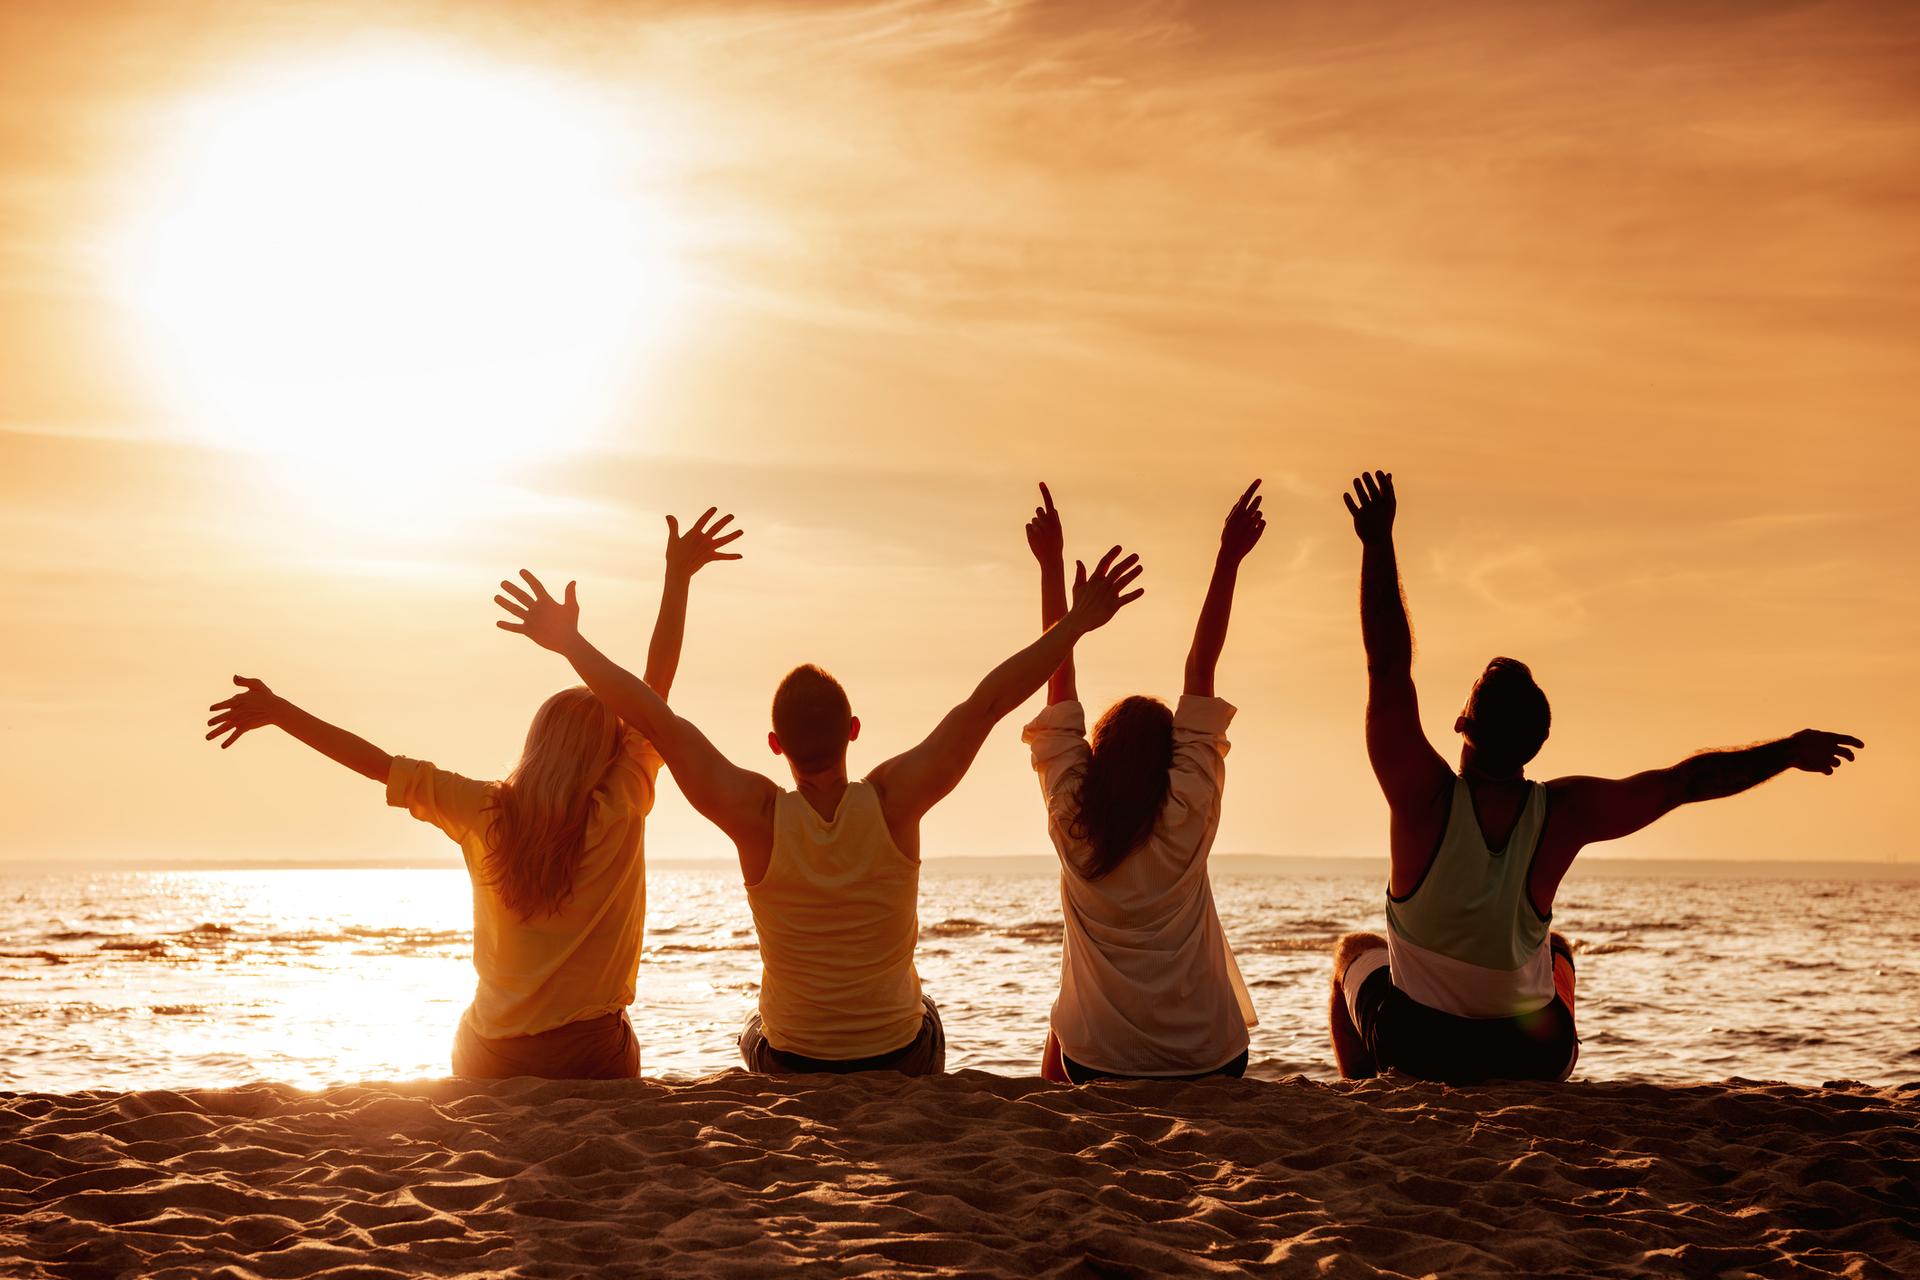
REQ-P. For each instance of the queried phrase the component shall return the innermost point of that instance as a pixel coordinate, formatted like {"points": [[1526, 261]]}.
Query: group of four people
{"points": [[1468, 984]]}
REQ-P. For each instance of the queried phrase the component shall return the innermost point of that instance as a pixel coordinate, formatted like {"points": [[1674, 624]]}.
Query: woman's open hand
{"points": [[254, 706], [700, 545]]}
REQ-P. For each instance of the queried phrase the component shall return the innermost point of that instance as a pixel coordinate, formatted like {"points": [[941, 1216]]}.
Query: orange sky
{"points": [[1624, 294]]}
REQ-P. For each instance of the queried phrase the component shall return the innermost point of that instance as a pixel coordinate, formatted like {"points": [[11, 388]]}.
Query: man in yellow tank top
{"points": [[1470, 984], [832, 866]]}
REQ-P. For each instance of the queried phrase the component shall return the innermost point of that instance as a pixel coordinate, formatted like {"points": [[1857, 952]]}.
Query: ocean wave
{"points": [[1284, 946], [958, 927]]}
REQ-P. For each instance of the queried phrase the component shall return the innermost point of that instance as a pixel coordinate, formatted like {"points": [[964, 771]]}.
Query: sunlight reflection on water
{"points": [[157, 979]]}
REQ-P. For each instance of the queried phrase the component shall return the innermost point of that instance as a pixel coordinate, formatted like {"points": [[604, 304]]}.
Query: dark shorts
{"points": [[601, 1048], [1078, 1074], [1404, 1035], [925, 1055]]}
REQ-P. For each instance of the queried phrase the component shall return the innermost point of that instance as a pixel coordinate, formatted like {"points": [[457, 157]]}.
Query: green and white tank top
{"points": [[1467, 940]]}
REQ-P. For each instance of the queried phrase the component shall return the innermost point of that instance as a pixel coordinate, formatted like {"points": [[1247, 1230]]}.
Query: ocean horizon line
{"points": [[1254, 864]]}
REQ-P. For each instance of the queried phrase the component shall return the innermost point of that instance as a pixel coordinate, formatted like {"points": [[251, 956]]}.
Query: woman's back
{"points": [[1148, 985], [548, 970]]}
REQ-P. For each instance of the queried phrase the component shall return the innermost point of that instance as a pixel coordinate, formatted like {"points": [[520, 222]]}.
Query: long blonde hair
{"points": [[539, 827]]}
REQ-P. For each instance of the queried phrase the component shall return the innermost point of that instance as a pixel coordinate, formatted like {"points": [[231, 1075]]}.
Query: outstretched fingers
{"points": [[539, 591], [1046, 500], [1106, 562], [520, 597]]}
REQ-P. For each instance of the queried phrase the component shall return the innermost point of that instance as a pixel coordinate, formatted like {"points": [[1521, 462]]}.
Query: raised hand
{"points": [[254, 706], [1373, 513], [549, 623], [1098, 597], [700, 545], [1044, 538], [1245, 523], [1818, 751]]}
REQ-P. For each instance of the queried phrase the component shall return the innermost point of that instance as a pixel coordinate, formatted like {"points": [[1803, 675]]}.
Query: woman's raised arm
{"points": [[256, 705], [1243, 528]]}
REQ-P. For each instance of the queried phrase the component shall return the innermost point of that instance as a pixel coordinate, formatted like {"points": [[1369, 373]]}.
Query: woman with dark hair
{"points": [[1148, 986]]}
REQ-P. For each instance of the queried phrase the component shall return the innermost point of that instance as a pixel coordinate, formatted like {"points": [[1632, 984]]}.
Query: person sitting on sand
{"points": [[554, 853], [1148, 985], [1469, 984], [832, 867]]}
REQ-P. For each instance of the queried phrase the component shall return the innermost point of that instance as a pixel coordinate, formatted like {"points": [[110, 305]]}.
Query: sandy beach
{"points": [[970, 1174]]}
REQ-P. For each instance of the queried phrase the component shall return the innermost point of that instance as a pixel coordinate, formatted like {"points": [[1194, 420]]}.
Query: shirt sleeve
{"points": [[449, 801], [639, 757], [639, 748], [1058, 740], [1199, 759]]}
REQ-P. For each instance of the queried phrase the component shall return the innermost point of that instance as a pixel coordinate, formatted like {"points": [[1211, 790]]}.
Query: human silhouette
{"points": [[554, 851], [832, 867], [1148, 985], [1469, 983]]}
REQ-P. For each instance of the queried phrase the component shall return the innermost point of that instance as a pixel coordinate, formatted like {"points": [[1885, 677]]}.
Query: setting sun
{"points": [[397, 254]]}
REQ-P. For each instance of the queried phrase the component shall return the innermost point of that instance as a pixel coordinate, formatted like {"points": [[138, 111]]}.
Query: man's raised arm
{"points": [[914, 781], [1410, 771], [738, 801]]}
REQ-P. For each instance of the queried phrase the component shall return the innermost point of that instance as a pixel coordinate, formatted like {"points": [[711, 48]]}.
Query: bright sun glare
{"points": [[394, 257]]}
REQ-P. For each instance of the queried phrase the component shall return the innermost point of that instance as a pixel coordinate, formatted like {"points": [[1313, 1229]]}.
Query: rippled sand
{"points": [[970, 1174]]}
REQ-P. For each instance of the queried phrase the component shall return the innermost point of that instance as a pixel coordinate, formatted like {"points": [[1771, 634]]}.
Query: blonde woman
{"points": [[554, 852]]}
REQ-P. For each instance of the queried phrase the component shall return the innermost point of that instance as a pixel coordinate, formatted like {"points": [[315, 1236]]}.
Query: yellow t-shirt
{"points": [[543, 973]]}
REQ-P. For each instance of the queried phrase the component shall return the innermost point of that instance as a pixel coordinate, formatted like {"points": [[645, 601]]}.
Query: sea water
{"points": [[169, 979]]}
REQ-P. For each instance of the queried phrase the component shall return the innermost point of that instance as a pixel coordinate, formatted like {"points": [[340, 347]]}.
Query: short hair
{"points": [[1507, 715], [812, 717]]}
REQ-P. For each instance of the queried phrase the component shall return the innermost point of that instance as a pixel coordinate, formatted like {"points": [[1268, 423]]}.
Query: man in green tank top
{"points": [[1469, 984]]}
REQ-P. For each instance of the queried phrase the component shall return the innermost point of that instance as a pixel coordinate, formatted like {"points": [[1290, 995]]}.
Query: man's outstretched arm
{"points": [[1410, 771], [1238, 536], [914, 781], [1590, 810], [738, 801], [686, 553]]}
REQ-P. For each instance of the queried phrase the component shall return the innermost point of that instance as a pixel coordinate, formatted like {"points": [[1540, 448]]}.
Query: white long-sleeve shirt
{"points": [[1148, 985]]}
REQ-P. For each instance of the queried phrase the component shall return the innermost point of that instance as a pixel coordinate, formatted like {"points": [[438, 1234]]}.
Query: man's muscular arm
{"points": [[1591, 810]]}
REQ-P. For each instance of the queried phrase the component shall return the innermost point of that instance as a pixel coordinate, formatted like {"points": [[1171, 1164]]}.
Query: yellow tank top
{"points": [[838, 917]]}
